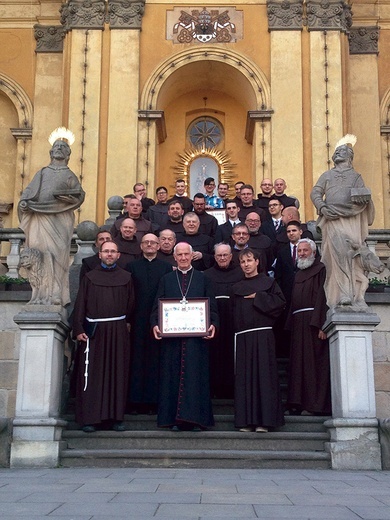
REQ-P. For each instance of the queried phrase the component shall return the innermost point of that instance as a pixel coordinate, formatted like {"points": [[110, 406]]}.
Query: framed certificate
{"points": [[187, 318], [219, 214]]}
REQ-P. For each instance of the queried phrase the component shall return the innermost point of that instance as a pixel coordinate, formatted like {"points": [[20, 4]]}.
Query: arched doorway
{"points": [[200, 85]]}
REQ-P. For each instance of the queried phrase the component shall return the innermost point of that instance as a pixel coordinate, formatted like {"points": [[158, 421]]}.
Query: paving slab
{"points": [[193, 494]]}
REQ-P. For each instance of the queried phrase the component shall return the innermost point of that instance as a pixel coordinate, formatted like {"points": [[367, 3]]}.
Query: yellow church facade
{"points": [[156, 91]]}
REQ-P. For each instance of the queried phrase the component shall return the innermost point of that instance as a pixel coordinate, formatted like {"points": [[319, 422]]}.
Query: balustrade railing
{"points": [[378, 241]]}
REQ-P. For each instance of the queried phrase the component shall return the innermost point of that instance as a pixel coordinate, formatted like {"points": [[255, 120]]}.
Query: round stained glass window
{"points": [[206, 132]]}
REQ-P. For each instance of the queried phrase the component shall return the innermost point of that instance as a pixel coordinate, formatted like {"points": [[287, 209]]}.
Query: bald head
{"points": [[128, 229], [290, 213]]}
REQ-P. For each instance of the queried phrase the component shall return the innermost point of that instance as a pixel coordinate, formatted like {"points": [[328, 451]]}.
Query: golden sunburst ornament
{"points": [[226, 168]]}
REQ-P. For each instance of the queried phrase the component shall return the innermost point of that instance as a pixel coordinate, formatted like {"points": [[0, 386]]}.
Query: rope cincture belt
{"points": [[244, 332], [221, 296], [86, 351], [304, 310]]}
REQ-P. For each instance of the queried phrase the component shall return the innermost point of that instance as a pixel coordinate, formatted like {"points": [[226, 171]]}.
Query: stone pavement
{"points": [[189, 494]]}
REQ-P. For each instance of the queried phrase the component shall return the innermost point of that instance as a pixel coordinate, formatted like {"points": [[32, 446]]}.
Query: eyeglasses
{"points": [[243, 233], [252, 220], [149, 242], [273, 205], [112, 251], [223, 255]]}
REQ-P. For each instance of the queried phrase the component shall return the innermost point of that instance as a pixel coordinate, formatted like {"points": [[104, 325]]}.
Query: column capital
{"points": [[363, 40], [323, 15], [83, 14], [125, 15], [49, 38], [285, 15]]}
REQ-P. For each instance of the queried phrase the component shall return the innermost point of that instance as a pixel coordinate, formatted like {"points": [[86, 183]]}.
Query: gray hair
{"points": [[186, 243], [311, 243], [222, 244]]}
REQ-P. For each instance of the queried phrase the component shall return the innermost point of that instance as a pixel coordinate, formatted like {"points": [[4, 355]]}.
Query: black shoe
{"points": [[119, 427], [196, 429], [175, 428], [89, 428]]}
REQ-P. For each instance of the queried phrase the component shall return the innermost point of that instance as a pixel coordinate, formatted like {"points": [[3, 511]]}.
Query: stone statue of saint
{"points": [[345, 211], [46, 214]]}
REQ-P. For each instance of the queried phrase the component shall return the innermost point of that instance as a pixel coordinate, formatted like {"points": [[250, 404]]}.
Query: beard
{"points": [[305, 263]]}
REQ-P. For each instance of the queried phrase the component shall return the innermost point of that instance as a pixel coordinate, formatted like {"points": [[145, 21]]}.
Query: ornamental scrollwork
{"points": [[363, 40], [49, 38], [83, 14], [285, 15], [325, 15], [125, 14]]}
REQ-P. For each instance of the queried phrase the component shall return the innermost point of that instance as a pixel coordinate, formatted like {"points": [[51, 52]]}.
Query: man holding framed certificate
{"points": [[184, 317]]}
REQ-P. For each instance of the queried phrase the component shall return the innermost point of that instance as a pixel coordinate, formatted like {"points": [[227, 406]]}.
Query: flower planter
{"points": [[377, 288], [18, 287]]}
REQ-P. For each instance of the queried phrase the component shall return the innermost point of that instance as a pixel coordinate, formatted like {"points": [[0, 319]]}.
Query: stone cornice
{"points": [[125, 14], [363, 40], [328, 15], [49, 38], [284, 15]]}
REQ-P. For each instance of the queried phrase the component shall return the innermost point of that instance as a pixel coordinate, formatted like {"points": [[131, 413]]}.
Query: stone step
{"points": [[223, 422], [239, 459], [206, 440]]}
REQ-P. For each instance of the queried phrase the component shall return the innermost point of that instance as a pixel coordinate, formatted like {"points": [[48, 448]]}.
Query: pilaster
{"points": [[365, 110], [326, 97], [123, 104], [48, 92], [84, 110], [287, 99]]}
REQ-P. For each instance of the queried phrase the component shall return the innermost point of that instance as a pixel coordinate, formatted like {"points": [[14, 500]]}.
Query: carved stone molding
{"points": [[325, 15], [252, 118], [22, 133], [284, 15], [363, 40], [159, 117], [125, 14], [49, 38], [83, 14]]}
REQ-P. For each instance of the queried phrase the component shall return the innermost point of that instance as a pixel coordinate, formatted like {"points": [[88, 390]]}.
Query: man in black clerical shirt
{"points": [[184, 393]]}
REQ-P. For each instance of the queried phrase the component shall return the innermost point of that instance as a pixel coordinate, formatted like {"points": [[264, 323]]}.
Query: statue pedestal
{"points": [[37, 427], [354, 442]]}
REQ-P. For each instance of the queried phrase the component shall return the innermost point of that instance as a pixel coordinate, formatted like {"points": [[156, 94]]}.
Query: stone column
{"points": [[285, 25], [37, 427], [354, 442]]}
